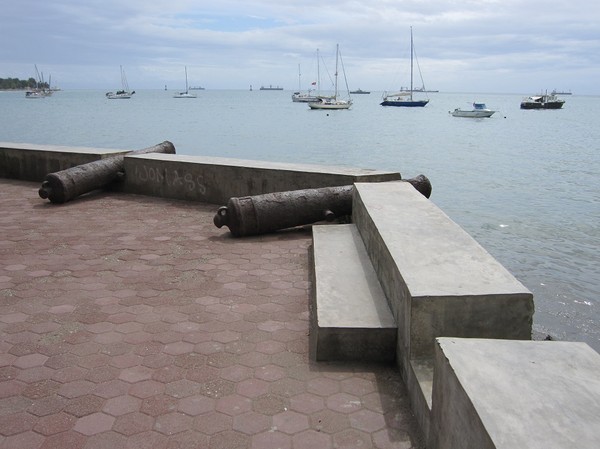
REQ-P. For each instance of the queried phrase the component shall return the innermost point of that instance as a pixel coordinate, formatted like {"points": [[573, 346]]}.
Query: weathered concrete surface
{"points": [[438, 279], [351, 319], [504, 394], [31, 162], [215, 180]]}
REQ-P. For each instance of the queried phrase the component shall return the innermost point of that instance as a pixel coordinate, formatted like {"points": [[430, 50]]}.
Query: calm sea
{"points": [[525, 184]]}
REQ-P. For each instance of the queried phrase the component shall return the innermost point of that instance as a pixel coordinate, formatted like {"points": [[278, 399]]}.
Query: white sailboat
{"points": [[405, 97], [41, 89], [305, 97], [124, 93], [334, 102], [185, 94]]}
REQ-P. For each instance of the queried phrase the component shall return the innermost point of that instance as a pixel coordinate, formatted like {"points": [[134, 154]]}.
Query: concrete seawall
{"points": [[458, 325], [192, 178]]}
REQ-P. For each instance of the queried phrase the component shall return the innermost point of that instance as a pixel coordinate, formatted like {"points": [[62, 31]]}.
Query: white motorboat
{"points": [[479, 111]]}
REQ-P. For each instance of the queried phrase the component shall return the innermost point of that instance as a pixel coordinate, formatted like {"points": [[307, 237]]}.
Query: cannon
{"points": [[65, 185], [261, 214]]}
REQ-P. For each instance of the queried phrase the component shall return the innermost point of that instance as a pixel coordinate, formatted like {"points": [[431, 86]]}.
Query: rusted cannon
{"points": [[63, 186], [261, 214]]}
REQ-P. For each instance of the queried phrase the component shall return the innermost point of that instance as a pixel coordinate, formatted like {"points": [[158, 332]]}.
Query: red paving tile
{"points": [[132, 322]]}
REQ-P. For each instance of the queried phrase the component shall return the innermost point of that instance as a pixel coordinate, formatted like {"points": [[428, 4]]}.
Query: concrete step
{"points": [[351, 319]]}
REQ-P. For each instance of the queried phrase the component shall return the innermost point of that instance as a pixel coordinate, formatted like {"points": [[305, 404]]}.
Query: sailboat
{"points": [[124, 93], [305, 97], [185, 94], [405, 97], [41, 90], [333, 102]]}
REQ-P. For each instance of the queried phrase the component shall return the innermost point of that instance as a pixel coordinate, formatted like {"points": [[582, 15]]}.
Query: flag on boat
{"points": [[314, 83]]}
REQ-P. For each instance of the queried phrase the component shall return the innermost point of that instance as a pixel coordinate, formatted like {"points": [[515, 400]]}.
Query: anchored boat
{"points": [[479, 111]]}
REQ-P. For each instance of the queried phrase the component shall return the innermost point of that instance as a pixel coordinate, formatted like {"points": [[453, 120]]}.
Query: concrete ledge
{"points": [[350, 316], [215, 180], [30, 162], [515, 394], [438, 279]]}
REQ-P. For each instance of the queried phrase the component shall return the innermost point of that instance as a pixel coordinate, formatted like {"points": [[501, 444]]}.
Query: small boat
{"points": [[359, 91], [479, 111], [124, 93], [41, 89], [334, 101], [405, 98], [271, 88], [186, 93], [564, 92], [308, 96], [542, 101]]}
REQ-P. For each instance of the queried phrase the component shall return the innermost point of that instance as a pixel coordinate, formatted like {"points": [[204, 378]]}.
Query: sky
{"points": [[495, 46]]}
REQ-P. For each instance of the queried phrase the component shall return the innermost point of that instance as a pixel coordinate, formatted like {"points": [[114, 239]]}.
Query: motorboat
{"points": [[479, 111], [542, 101]]}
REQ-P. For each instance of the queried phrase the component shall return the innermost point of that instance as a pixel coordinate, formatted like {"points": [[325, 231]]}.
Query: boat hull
{"points": [[118, 96], [472, 114], [535, 105], [319, 105], [300, 98], [405, 103]]}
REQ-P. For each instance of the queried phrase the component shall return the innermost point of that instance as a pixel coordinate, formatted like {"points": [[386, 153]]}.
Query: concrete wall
{"points": [[31, 162], [438, 279], [215, 180], [504, 394], [193, 178]]}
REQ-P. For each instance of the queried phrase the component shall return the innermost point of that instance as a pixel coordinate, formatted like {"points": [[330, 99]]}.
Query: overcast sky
{"points": [[505, 46]]}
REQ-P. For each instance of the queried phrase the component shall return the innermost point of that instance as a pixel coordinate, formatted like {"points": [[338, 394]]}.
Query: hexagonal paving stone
{"points": [[94, 423], [290, 422]]}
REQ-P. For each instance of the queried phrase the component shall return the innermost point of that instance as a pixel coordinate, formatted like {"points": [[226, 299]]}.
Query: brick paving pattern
{"points": [[133, 322]]}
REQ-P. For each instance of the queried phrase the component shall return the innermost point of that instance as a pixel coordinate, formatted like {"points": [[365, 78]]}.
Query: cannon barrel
{"points": [[65, 185], [260, 214]]}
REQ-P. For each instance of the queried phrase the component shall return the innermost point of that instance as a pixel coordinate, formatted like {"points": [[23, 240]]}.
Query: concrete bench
{"points": [[350, 316], [502, 394]]}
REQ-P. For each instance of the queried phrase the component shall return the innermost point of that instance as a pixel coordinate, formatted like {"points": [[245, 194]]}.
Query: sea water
{"points": [[524, 184]]}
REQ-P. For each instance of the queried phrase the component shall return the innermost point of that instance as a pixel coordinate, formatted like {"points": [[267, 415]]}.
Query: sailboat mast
{"points": [[411, 64], [318, 74], [337, 50]]}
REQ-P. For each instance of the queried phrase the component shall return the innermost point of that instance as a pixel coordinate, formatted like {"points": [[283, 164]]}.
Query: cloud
{"points": [[488, 44]]}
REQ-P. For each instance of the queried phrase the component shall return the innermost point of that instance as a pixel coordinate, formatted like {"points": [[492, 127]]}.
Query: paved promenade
{"points": [[133, 322]]}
